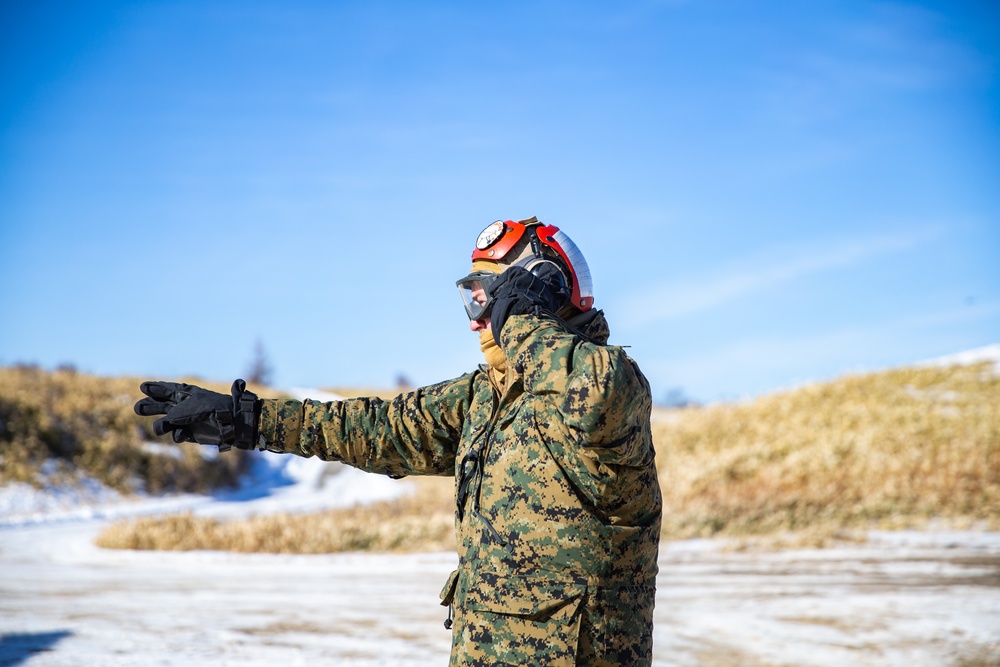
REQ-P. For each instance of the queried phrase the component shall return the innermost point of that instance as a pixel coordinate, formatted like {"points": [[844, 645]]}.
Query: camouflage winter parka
{"points": [[558, 506]]}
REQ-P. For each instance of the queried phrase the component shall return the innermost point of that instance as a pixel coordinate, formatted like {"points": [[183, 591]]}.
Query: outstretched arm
{"points": [[415, 433]]}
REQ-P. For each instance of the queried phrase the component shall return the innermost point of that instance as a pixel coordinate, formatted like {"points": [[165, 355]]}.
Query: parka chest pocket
{"points": [[529, 620]]}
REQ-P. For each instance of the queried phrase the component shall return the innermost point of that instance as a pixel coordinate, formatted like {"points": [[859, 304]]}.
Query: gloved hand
{"points": [[193, 414], [518, 291]]}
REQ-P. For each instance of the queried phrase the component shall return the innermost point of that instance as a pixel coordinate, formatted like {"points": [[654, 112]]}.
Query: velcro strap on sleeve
{"points": [[246, 420]]}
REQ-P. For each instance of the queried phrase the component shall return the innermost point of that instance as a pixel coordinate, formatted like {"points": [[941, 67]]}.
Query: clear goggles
{"points": [[473, 289]]}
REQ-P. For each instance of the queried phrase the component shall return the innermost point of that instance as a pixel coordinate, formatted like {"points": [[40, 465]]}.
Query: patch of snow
{"points": [[936, 539], [302, 393], [24, 503], [289, 483], [274, 483], [969, 357], [164, 449], [931, 394]]}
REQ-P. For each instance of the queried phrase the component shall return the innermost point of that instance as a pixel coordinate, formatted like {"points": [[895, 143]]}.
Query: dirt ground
{"points": [[907, 599]]}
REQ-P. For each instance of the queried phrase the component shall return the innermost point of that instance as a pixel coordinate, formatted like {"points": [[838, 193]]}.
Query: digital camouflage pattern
{"points": [[558, 505]]}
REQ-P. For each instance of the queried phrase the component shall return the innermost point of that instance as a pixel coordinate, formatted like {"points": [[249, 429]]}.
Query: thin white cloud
{"points": [[694, 294], [749, 365]]}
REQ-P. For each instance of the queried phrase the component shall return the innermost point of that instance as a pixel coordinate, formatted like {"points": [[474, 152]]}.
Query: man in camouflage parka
{"points": [[558, 505]]}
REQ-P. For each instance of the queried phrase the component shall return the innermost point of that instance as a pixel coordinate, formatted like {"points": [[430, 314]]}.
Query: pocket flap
{"points": [[448, 592], [533, 596]]}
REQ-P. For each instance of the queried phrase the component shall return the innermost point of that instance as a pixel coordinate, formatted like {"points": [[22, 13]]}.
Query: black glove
{"points": [[199, 415], [518, 291]]}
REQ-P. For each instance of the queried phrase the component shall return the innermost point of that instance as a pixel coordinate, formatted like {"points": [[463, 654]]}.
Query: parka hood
{"points": [[593, 324]]}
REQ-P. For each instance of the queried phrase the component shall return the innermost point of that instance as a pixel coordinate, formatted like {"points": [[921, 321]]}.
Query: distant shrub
{"points": [[87, 423]]}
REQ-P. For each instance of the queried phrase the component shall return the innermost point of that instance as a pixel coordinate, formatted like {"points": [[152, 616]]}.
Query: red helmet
{"points": [[496, 242]]}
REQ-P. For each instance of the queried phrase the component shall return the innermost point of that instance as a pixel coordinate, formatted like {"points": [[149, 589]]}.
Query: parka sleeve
{"points": [[415, 433], [592, 405]]}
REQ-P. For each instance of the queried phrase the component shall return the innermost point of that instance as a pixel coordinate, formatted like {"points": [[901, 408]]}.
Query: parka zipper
{"points": [[479, 484], [473, 469]]}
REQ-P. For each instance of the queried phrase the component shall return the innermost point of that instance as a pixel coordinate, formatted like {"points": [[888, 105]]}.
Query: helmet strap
{"points": [[536, 247]]}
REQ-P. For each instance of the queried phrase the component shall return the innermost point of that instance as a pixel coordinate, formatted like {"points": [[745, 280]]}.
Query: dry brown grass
{"points": [[86, 423], [423, 521], [984, 655], [892, 449]]}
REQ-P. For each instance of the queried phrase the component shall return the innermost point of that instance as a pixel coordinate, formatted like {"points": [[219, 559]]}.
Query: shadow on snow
{"points": [[17, 648]]}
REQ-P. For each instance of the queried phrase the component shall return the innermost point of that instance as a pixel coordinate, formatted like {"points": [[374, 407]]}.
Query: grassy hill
{"points": [[894, 449], [63, 422]]}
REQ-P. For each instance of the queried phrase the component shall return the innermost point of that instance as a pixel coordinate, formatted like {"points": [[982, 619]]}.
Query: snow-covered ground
{"points": [[275, 482], [905, 599]]}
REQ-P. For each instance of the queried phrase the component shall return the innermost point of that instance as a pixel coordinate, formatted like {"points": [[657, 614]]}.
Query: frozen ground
{"points": [[906, 599]]}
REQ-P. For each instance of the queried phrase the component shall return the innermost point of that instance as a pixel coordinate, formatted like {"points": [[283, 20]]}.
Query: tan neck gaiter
{"points": [[495, 358]]}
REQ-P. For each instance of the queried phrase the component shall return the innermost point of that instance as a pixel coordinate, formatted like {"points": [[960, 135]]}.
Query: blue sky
{"points": [[766, 194]]}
